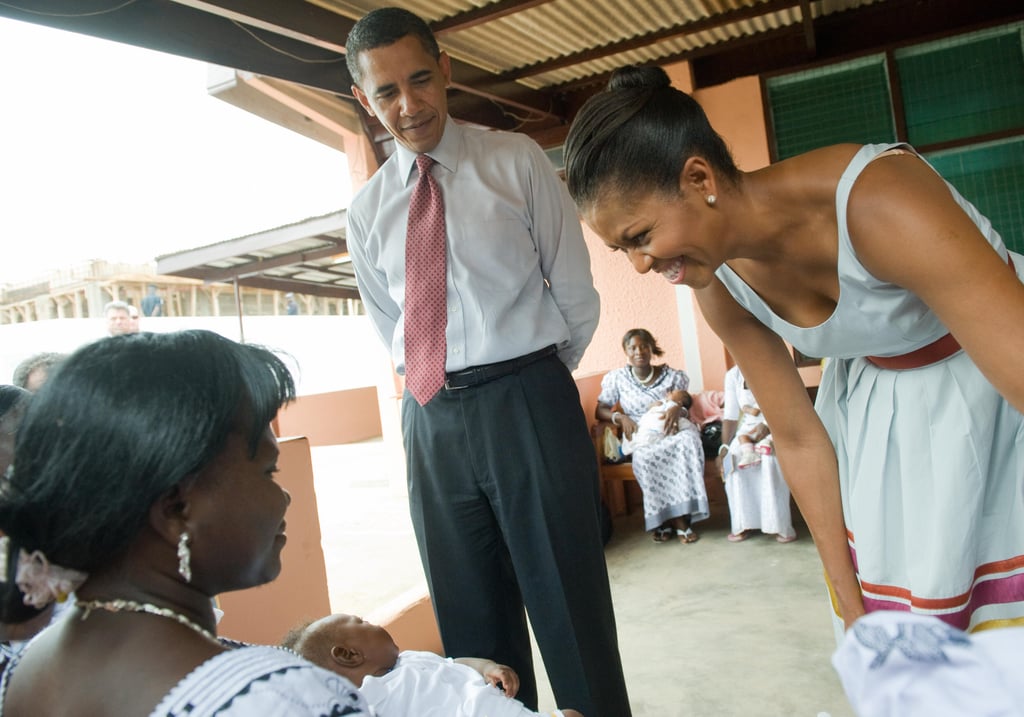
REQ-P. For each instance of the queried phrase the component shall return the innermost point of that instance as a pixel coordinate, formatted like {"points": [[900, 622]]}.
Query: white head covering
{"points": [[901, 664]]}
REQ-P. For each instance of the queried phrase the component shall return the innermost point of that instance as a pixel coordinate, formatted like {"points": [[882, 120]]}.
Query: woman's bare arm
{"points": [[907, 229], [805, 451]]}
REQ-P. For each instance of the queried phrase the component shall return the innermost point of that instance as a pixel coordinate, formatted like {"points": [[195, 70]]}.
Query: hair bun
{"points": [[635, 77]]}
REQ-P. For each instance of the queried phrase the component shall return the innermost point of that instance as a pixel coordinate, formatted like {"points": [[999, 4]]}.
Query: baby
{"points": [[410, 682], [753, 436], [651, 426]]}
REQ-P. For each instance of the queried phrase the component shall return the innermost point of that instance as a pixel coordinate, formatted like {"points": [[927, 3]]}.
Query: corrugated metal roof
{"points": [[566, 29], [307, 257], [524, 65]]}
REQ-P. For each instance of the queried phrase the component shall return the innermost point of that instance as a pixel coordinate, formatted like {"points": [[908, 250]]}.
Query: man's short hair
{"points": [[382, 27]]}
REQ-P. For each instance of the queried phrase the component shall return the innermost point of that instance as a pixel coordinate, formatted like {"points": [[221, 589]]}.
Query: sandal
{"points": [[687, 536], [661, 535], [785, 538], [738, 537]]}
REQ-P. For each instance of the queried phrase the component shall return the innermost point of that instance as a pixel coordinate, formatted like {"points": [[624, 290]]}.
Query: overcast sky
{"points": [[109, 151]]}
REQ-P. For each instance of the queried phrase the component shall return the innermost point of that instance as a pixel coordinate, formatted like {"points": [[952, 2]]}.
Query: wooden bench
{"points": [[616, 478]]}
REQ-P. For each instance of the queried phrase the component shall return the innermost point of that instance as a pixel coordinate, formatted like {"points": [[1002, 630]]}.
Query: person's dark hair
{"points": [[637, 135], [645, 336], [125, 420], [12, 605], [11, 396], [385, 26], [45, 360]]}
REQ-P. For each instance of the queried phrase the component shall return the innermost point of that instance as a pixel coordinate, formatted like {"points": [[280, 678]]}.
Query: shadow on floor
{"points": [[710, 629], [720, 629]]}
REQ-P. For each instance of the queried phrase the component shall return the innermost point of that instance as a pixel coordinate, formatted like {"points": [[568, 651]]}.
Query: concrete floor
{"points": [[710, 629]]}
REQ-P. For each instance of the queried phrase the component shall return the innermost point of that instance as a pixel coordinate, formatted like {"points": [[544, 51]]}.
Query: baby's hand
{"points": [[503, 677]]}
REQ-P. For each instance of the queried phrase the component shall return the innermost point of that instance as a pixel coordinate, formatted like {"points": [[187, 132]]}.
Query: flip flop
{"points": [[785, 538], [661, 535], [738, 537], [687, 536]]}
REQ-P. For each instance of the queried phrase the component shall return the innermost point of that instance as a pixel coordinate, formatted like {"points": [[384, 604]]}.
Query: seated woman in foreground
{"points": [[143, 482], [670, 471]]}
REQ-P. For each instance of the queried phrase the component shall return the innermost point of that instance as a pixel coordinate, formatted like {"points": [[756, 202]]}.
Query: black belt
{"points": [[475, 375]]}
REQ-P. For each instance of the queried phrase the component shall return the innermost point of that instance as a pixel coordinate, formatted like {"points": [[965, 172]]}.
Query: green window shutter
{"points": [[991, 177], [959, 88], [846, 102]]}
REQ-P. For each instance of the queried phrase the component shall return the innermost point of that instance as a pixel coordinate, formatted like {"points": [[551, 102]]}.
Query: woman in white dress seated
{"points": [[143, 485], [757, 493], [670, 469]]}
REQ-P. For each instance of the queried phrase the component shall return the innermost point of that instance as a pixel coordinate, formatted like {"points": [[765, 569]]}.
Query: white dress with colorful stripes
{"points": [[931, 459]]}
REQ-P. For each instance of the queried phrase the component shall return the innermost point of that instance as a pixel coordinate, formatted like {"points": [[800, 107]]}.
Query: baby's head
{"points": [[347, 645], [683, 398]]}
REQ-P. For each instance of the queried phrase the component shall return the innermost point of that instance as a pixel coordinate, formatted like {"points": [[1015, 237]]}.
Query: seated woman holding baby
{"points": [[142, 487], [668, 464]]}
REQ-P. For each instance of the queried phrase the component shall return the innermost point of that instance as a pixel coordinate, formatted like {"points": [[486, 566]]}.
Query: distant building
{"points": [[268, 272], [82, 291]]}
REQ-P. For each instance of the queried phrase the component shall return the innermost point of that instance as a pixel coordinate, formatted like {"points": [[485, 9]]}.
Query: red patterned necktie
{"points": [[426, 310]]}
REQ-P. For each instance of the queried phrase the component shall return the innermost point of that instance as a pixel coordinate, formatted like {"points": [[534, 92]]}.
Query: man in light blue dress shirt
{"points": [[503, 483]]}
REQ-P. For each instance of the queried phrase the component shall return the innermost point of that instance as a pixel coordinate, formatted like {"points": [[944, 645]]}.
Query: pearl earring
{"points": [[184, 557], [711, 199]]}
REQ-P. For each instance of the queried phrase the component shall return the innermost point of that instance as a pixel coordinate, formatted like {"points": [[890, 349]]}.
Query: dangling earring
{"points": [[711, 199], [184, 558]]}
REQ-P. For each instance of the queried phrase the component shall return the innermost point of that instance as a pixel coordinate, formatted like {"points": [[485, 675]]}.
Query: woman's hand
{"points": [[671, 426], [628, 426]]}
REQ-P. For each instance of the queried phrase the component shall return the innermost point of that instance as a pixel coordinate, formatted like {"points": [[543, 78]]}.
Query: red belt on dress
{"points": [[933, 352]]}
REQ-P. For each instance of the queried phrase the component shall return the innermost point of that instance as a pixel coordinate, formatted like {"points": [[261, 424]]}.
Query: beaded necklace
{"points": [[121, 605], [646, 379]]}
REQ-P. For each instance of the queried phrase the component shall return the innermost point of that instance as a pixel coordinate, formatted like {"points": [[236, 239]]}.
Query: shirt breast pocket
{"points": [[499, 252]]}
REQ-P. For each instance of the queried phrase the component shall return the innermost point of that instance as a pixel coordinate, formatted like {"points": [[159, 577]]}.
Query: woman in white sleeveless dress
{"points": [[912, 479]]}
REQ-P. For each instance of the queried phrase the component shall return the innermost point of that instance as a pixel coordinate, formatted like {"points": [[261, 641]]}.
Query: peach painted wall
{"points": [[328, 419], [411, 621], [736, 113], [264, 614], [361, 161]]}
